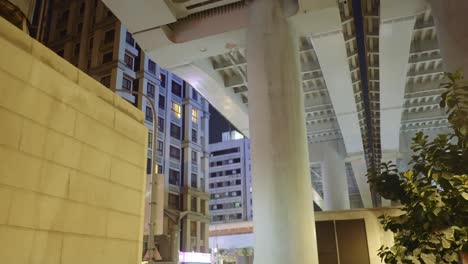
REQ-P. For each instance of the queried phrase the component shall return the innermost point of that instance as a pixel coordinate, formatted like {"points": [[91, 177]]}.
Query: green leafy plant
{"points": [[433, 228]]}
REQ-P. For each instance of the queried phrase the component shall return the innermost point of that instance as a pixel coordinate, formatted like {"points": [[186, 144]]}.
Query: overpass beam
{"points": [[282, 197]]}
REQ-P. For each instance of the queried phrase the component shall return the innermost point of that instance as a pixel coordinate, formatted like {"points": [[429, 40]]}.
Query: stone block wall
{"points": [[72, 162]]}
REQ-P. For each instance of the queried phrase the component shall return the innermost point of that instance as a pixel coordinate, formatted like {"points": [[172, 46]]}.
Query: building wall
{"points": [[72, 161], [130, 65], [230, 181]]}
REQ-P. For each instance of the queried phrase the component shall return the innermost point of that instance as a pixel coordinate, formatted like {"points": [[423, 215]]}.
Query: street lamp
{"points": [[153, 201]]}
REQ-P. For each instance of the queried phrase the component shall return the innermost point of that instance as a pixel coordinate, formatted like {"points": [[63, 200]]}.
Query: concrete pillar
{"points": [[359, 166], [284, 217], [335, 183], [450, 19], [84, 42]]}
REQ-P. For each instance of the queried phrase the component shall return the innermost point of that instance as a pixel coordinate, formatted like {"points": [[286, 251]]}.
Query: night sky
{"points": [[218, 125]]}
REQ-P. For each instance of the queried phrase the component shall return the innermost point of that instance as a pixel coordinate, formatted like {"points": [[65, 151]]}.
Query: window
{"points": [[173, 201], [107, 57], [194, 135], [194, 95], [194, 157], [82, 8], [193, 204], [109, 36], [148, 114], [129, 39], [161, 124], [150, 90], [60, 53], [79, 28], [128, 61], [176, 109], [193, 228], [126, 84], [162, 76], [162, 102], [174, 153], [175, 131], [193, 180], [160, 169], [203, 210], [160, 147], [174, 177], [105, 80], [150, 140], [176, 89], [77, 49], [148, 165], [151, 66], [194, 115]]}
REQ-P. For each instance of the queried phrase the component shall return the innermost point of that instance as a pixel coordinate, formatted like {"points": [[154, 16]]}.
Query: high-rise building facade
{"points": [[230, 180], [87, 34]]}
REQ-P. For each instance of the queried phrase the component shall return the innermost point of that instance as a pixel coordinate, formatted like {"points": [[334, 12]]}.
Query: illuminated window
{"points": [[194, 115], [176, 109]]}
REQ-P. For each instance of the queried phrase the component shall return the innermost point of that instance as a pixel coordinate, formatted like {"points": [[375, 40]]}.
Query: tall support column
{"points": [[282, 198], [335, 184], [450, 18]]}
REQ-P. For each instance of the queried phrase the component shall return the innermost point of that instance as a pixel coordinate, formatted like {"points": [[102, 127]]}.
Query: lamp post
{"points": [[175, 247], [153, 201]]}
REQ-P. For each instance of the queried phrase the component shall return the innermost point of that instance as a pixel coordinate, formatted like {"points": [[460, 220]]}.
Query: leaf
{"points": [[428, 258], [464, 195]]}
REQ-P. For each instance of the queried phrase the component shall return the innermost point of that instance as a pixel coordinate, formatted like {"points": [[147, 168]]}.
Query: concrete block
{"points": [[131, 151], [15, 35], [15, 244], [124, 199], [90, 131], [52, 213], [95, 162], [129, 109], [80, 250], [62, 149], [5, 202], [84, 219], [123, 226], [33, 137], [62, 118], [19, 169], [11, 128], [88, 189], [96, 88], [54, 179], [23, 209], [50, 58], [105, 112], [127, 174], [48, 80], [15, 60], [130, 127], [46, 248], [121, 252]]}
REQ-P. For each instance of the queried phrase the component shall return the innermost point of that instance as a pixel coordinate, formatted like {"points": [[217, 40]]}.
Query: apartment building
{"points": [[88, 35], [230, 180]]}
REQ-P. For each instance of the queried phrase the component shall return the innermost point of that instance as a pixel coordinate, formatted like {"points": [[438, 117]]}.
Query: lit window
{"points": [[176, 109], [150, 140], [194, 115]]}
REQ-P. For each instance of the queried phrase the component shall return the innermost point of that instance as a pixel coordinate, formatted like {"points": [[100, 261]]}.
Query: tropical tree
{"points": [[433, 228]]}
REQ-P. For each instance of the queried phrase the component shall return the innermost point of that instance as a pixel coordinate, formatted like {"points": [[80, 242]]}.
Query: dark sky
{"points": [[218, 125]]}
